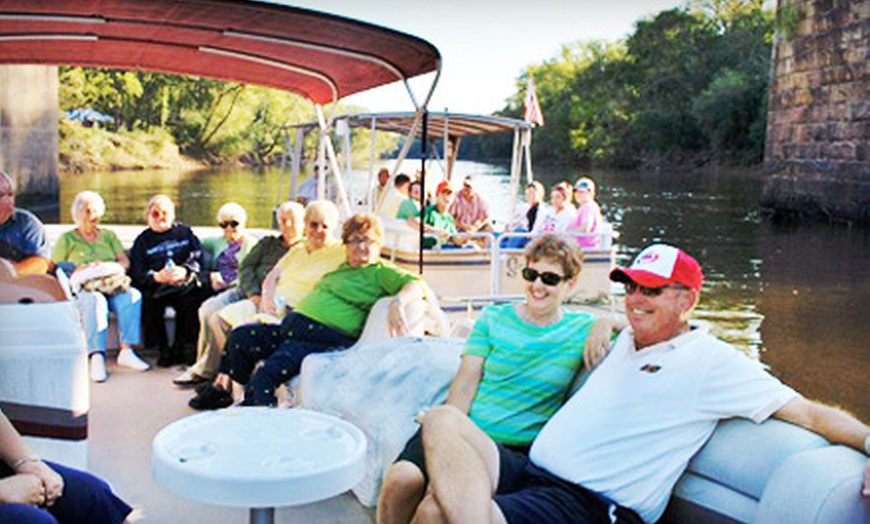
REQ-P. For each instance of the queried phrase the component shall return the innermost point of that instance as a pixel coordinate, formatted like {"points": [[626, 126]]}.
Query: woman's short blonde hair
{"points": [[294, 209], [324, 210], [84, 199], [232, 211], [559, 249], [363, 223]]}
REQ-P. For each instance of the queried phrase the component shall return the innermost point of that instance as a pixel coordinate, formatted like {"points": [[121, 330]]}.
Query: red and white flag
{"points": [[533, 114]]}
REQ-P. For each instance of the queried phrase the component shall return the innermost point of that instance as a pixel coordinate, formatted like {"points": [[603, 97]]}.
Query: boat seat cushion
{"points": [[770, 472], [380, 386]]}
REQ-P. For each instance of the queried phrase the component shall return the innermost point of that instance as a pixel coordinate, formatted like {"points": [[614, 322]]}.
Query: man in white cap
{"points": [[616, 448]]}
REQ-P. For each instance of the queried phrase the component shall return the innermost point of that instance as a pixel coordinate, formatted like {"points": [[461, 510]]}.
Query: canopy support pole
{"points": [[425, 151], [326, 150]]}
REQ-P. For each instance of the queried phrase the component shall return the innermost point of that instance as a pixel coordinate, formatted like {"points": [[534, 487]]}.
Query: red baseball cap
{"points": [[659, 265], [444, 186]]}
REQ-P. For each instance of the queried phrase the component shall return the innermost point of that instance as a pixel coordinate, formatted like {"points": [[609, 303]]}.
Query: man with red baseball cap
{"points": [[661, 265], [614, 451]]}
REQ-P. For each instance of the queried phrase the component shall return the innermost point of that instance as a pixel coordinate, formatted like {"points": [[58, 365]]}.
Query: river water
{"points": [[799, 296]]}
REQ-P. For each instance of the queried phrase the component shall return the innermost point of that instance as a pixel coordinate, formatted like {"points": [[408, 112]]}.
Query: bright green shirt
{"points": [[439, 220], [71, 247], [527, 370], [408, 208], [342, 299]]}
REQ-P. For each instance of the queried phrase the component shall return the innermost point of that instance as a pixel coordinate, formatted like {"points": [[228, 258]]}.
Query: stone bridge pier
{"points": [[817, 157], [28, 129]]}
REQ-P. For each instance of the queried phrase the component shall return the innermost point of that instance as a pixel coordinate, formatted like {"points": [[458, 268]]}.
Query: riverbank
{"points": [[85, 149]]}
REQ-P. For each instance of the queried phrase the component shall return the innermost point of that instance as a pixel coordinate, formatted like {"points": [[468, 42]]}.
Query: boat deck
{"points": [[127, 411]]}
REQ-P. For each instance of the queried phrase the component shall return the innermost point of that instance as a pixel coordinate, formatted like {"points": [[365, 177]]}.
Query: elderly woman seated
{"points": [[165, 262], [86, 250], [222, 257], [252, 271], [330, 318], [291, 278]]}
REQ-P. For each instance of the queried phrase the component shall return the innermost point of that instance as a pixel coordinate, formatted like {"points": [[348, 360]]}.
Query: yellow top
{"points": [[300, 270]]}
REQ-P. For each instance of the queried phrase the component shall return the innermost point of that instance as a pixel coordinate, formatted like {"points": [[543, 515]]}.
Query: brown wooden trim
{"points": [[41, 421]]}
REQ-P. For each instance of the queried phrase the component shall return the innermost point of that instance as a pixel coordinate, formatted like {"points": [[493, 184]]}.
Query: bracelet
{"points": [[867, 445], [24, 460]]}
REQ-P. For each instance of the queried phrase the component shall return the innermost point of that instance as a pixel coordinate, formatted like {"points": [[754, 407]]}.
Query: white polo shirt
{"points": [[630, 431]]}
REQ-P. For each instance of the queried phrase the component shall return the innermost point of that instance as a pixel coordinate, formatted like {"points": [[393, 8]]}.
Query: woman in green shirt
{"points": [[329, 318], [86, 249]]}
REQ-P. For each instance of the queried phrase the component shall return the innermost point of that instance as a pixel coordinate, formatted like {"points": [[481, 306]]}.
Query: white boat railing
{"points": [[461, 270]]}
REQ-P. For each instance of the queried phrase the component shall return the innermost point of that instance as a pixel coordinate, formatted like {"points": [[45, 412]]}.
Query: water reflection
{"points": [[798, 296]]}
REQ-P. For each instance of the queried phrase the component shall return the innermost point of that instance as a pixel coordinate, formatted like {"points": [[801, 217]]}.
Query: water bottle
{"points": [[170, 263]]}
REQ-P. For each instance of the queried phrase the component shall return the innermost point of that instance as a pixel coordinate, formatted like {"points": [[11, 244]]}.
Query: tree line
{"points": [[688, 87]]}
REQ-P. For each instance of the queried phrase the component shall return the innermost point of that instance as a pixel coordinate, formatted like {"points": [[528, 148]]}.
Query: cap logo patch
{"points": [[647, 258]]}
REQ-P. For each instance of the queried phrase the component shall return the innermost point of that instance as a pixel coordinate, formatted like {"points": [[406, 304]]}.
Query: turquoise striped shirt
{"points": [[526, 372]]}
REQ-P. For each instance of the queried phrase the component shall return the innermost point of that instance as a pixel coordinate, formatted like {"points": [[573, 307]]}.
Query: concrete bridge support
{"points": [[817, 156], [28, 129]]}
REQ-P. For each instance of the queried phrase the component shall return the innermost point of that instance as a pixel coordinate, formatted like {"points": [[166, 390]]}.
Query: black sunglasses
{"points": [[548, 278], [631, 287], [229, 223]]}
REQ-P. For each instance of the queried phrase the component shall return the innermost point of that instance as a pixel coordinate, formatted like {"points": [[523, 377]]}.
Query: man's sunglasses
{"points": [[548, 278], [229, 223], [631, 287]]}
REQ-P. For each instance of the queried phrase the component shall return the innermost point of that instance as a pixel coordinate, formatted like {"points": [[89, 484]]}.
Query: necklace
{"points": [[555, 318]]}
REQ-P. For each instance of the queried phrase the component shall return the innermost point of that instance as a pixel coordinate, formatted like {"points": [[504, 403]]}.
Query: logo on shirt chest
{"points": [[650, 368]]}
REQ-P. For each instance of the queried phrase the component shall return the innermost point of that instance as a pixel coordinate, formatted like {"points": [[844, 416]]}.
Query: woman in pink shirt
{"points": [[589, 218]]}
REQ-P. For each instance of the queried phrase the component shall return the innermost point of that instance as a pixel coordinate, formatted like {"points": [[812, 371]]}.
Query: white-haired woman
{"points": [[165, 262], [83, 249], [222, 259]]}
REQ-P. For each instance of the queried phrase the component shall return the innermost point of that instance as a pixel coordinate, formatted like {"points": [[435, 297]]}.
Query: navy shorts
{"points": [[527, 494], [414, 454]]}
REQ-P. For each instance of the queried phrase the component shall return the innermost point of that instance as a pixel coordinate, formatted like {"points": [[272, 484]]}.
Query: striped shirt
{"points": [[468, 210], [526, 372]]}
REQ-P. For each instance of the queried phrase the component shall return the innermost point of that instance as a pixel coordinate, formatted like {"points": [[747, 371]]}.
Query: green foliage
{"points": [[206, 119], [687, 87]]}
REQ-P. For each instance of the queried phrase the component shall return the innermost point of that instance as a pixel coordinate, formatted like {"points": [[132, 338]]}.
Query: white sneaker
{"points": [[98, 367], [127, 358]]}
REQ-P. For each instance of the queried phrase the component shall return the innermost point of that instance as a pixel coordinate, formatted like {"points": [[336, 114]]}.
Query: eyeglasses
{"points": [[548, 278], [313, 224], [631, 287], [229, 223], [361, 242]]}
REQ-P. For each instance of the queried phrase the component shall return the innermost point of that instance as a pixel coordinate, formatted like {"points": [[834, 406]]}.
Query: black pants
{"points": [[185, 303], [282, 349]]}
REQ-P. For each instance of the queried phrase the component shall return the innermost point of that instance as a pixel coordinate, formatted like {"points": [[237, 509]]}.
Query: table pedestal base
{"points": [[262, 516]]}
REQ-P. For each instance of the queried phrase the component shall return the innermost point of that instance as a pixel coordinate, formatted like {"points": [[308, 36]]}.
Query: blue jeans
{"points": [[95, 307]]}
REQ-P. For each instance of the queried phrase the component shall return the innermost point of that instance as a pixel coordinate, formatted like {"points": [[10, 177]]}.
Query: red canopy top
{"points": [[320, 56]]}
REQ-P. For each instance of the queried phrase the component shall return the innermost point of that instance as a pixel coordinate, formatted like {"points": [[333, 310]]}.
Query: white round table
{"points": [[259, 458]]}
